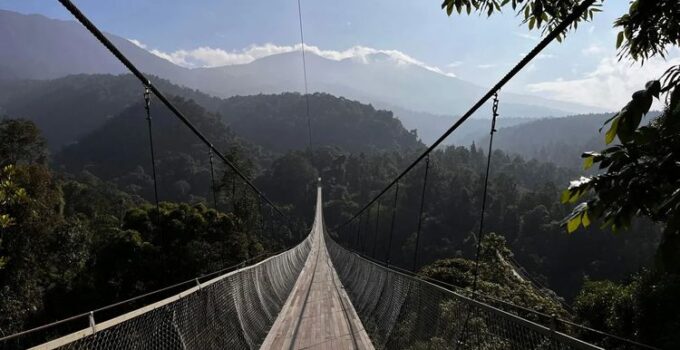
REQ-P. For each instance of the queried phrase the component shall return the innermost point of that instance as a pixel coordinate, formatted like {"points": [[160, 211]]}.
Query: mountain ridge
{"points": [[59, 48]]}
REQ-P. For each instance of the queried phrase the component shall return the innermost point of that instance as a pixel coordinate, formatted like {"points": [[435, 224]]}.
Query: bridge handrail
{"points": [[95, 328], [562, 338]]}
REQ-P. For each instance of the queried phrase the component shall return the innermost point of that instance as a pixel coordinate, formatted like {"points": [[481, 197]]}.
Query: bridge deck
{"points": [[318, 314]]}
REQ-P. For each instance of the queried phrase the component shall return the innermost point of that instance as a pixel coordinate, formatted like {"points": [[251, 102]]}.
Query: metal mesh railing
{"points": [[400, 311], [232, 311]]}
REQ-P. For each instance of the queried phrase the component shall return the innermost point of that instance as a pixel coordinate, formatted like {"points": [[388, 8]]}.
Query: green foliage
{"points": [[523, 207], [536, 13], [75, 243], [644, 309], [640, 174], [21, 143], [497, 278], [648, 29]]}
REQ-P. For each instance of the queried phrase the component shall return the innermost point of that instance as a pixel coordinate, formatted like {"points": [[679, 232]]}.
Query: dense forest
{"points": [[72, 242]]}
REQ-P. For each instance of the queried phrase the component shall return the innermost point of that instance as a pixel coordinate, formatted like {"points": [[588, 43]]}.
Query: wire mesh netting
{"points": [[403, 312], [233, 311]]}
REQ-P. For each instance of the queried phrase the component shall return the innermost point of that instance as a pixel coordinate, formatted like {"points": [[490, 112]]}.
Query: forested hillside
{"points": [[279, 122], [560, 141], [523, 207], [75, 106]]}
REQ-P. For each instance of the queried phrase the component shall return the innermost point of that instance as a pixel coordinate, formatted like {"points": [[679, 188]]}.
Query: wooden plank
{"points": [[318, 313]]}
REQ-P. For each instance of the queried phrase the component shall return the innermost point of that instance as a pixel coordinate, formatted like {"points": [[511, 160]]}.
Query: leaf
{"points": [[611, 134], [585, 219], [565, 196], [619, 39], [573, 223], [588, 162], [532, 21]]}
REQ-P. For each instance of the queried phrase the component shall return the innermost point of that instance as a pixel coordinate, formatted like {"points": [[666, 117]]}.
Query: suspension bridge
{"points": [[320, 294], [317, 295]]}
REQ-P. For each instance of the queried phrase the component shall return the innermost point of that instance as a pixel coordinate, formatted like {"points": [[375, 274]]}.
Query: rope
{"points": [[394, 214], [304, 72], [480, 236], [137, 73], [377, 223], [420, 215], [358, 233], [147, 108], [578, 11], [212, 177]]}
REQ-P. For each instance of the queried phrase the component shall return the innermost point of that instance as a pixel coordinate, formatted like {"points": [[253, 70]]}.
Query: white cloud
{"points": [[138, 43], [205, 56], [486, 66], [610, 85], [593, 50]]}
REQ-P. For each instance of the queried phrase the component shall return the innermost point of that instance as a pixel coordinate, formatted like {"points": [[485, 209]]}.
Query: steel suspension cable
{"points": [[554, 33], [480, 235], [377, 225], [212, 177], [304, 73], [485, 190], [147, 108], [394, 214], [137, 73], [420, 215]]}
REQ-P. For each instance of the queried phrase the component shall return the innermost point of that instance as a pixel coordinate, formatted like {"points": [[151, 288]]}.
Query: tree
{"points": [[22, 142]]}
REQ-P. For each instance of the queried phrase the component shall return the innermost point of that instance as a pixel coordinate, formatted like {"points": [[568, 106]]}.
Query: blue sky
{"points": [[474, 48]]}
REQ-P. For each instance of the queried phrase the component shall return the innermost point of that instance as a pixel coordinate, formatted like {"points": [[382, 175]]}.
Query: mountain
{"points": [[58, 48], [560, 141], [69, 108], [431, 126], [118, 151]]}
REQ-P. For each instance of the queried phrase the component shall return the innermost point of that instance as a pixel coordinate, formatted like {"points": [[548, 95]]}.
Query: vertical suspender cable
{"points": [[420, 216], [233, 194], [212, 177], [356, 242], [394, 214], [485, 190], [147, 108], [304, 72], [463, 332], [377, 225]]}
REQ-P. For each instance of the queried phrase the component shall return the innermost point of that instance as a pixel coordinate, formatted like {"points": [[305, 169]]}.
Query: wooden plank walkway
{"points": [[318, 314]]}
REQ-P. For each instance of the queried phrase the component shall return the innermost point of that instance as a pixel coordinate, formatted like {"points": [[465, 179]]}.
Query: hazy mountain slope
{"points": [[431, 126], [118, 151], [59, 48], [557, 140], [68, 108]]}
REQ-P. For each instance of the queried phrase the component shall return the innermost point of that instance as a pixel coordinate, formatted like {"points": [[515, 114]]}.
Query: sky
{"points": [[582, 69]]}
